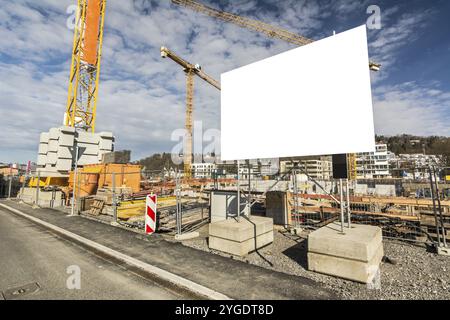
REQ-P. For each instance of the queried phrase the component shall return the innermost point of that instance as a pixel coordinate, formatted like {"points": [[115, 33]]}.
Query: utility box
{"points": [[223, 205]]}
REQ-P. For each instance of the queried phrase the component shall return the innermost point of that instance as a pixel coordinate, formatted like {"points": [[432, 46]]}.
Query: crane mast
{"points": [[191, 70], [255, 25], [85, 67]]}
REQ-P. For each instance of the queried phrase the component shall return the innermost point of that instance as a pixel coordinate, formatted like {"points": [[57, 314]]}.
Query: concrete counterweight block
{"points": [[44, 137], [42, 160], [355, 255], [43, 148], [57, 149], [240, 238]]}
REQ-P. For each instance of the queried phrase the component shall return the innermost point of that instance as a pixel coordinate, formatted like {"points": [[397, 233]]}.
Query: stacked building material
{"points": [[57, 149]]}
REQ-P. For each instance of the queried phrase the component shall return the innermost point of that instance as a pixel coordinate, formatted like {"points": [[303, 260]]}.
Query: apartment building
{"points": [[203, 170], [320, 168], [373, 165], [413, 166]]}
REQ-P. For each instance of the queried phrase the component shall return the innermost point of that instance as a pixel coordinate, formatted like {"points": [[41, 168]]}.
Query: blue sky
{"points": [[141, 97]]}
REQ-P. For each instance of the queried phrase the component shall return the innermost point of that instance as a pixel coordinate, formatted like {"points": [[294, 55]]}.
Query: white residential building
{"points": [[413, 166], [373, 165], [319, 168], [203, 170]]}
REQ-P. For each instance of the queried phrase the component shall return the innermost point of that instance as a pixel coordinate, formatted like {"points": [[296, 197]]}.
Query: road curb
{"points": [[158, 272]]}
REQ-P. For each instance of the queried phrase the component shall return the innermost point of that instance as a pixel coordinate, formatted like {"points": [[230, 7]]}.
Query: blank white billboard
{"points": [[312, 100]]}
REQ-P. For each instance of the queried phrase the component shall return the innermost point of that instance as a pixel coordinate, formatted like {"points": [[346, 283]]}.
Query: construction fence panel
{"points": [[403, 208], [10, 186], [119, 197]]}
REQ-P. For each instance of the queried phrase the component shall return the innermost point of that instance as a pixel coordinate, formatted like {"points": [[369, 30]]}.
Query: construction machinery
{"points": [[190, 70], [84, 79], [351, 166], [85, 68], [255, 25]]}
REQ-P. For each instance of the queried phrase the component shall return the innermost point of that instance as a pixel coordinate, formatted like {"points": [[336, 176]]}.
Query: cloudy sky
{"points": [[141, 97]]}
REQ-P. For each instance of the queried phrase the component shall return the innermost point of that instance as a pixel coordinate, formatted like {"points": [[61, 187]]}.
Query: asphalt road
{"points": [[30, 254]]}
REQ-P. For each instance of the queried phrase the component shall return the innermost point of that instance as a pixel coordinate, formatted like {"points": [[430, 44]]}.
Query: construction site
{"points": [[338, 221]]}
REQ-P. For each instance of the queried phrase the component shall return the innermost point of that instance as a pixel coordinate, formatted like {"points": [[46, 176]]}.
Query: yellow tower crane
{"points": [[190, 70], [255, 25], [85, 68]]}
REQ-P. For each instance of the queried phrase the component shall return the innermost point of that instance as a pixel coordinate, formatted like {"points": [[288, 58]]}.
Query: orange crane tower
{"points": [[190, 70], [85, 68], [255, 25]]}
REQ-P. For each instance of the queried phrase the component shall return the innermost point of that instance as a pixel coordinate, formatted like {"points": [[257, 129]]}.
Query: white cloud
{"points": [[412, 109], [141, 95]]}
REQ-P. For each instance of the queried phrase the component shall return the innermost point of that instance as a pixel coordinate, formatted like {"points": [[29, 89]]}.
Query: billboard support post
{"points": [[341, 191]]}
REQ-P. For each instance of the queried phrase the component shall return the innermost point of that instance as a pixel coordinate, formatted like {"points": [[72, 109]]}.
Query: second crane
{"points": [[191, 70]]}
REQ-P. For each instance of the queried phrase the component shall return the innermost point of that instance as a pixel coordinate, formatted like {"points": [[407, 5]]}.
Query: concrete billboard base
{"points": [[240, 238], [355, 254]]}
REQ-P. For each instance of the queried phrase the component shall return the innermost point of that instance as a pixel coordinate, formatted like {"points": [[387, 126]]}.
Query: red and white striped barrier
{"points": [[150, 213]]}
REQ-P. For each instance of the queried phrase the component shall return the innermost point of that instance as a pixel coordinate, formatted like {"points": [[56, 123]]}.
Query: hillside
{"points": [[397, 144], [158, 162], [416, 144]]}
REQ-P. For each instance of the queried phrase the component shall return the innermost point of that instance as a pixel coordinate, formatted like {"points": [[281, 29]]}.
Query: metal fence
{"points": [[117, 196], [419, 216], [413, 214], [10, 186]]}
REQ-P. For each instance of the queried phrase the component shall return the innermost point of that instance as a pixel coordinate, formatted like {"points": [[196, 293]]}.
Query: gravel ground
{"points": [[408, 272]]}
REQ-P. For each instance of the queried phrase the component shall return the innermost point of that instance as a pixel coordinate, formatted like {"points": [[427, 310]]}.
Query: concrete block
{"points": [[240, 248], [41, 160], [54, 134], [100, 154], [66, 139], [52, 145], [349, 269], [106, 134], [50, 195], [64, 152], [27, 194], [355, 254], [64, 164], [44, 137], [358, 243], [240, 231], [88, 149], [49, 199], [87, 159], [43, 148], [87, 137], [51, 158], [106, 144], [67, 130], [443, 251], [240, 238]]}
